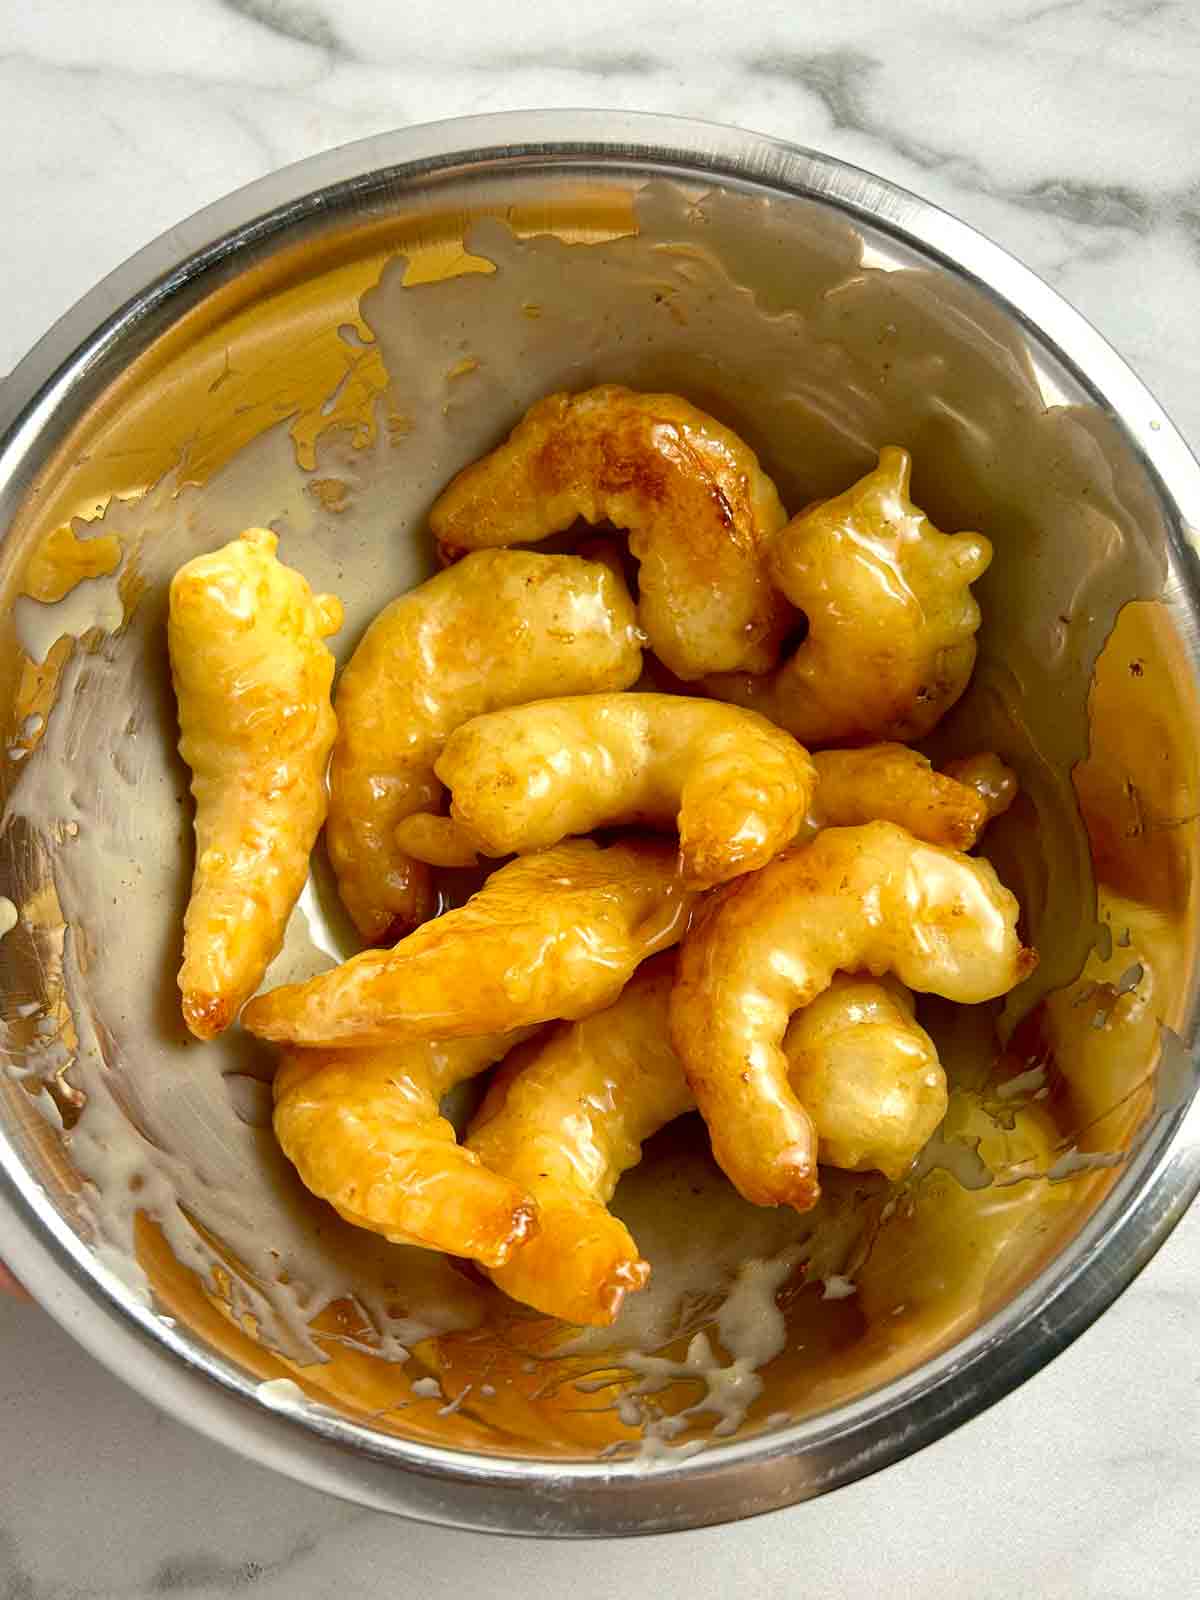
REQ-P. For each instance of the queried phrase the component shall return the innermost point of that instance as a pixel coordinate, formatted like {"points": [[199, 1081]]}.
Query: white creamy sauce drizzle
{"points": [[285, 1394], [281, 1394], [1025, 1083], [959, 1157], [1072, 1162], [127, 1272], [454, 1405], [751, 1328], [46, 1106], [91, 603], [694, 1267], [714, 1287]]}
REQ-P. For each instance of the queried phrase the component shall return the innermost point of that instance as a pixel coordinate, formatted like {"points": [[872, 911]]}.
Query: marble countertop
{"points": [[1065, 129]]}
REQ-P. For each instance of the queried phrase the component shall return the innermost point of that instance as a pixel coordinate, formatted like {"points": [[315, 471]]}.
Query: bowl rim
{"points": [[562, 1498]]}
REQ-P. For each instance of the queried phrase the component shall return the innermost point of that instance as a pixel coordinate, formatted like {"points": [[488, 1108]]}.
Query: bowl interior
{"points": [[328, 381]]}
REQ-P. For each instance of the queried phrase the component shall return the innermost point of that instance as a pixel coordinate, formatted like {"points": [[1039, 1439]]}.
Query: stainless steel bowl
{"points": [[206, 385]]}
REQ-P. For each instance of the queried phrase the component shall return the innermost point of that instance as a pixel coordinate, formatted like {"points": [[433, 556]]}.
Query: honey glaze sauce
{"points": [[772, 322]]}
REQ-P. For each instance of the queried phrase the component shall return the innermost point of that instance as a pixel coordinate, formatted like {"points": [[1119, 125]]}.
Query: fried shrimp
{"points": [[362, 1128], [501, 627], [891, 618], [891, 783], [867, 1074], [565, 1117], [556, 934], [994, 783], [870, 899], [525, 778], [692, 496], [252, 679]]}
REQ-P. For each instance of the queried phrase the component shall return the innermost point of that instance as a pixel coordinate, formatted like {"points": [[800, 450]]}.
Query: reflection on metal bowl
{"points": [[322, 352]]}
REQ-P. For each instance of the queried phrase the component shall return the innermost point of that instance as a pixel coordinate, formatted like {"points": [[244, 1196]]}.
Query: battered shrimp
{"points": [[362, 1129], [501, 627], [696, 503], [891, 783], [994, 783], [891, 618], [527, 777], [252, 679], [867, 1074], [564, 1118], [868, 899], [550, 935]]}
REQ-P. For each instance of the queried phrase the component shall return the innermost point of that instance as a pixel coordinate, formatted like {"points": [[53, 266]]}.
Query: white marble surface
{"points": [[1069, 131]]}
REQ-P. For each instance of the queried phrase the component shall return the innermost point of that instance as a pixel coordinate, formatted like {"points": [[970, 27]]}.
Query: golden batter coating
{"points": [[868, 1075], [871, 899], [566, 1116], [523, 779], [363, 1130], [891, 618], [697, 506], [501, 627], [555, 934], [891, 783], [252, 680]]}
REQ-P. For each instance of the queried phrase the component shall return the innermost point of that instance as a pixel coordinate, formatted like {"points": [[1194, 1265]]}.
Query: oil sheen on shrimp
{"points": [[567, 1115], [564, 1118], [555, 934], [697, 506], [736, 786], [891, 617], [892, 783], [363, 1129], [866, 899], [867, 1074], [501, 627], [252, 677]]}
